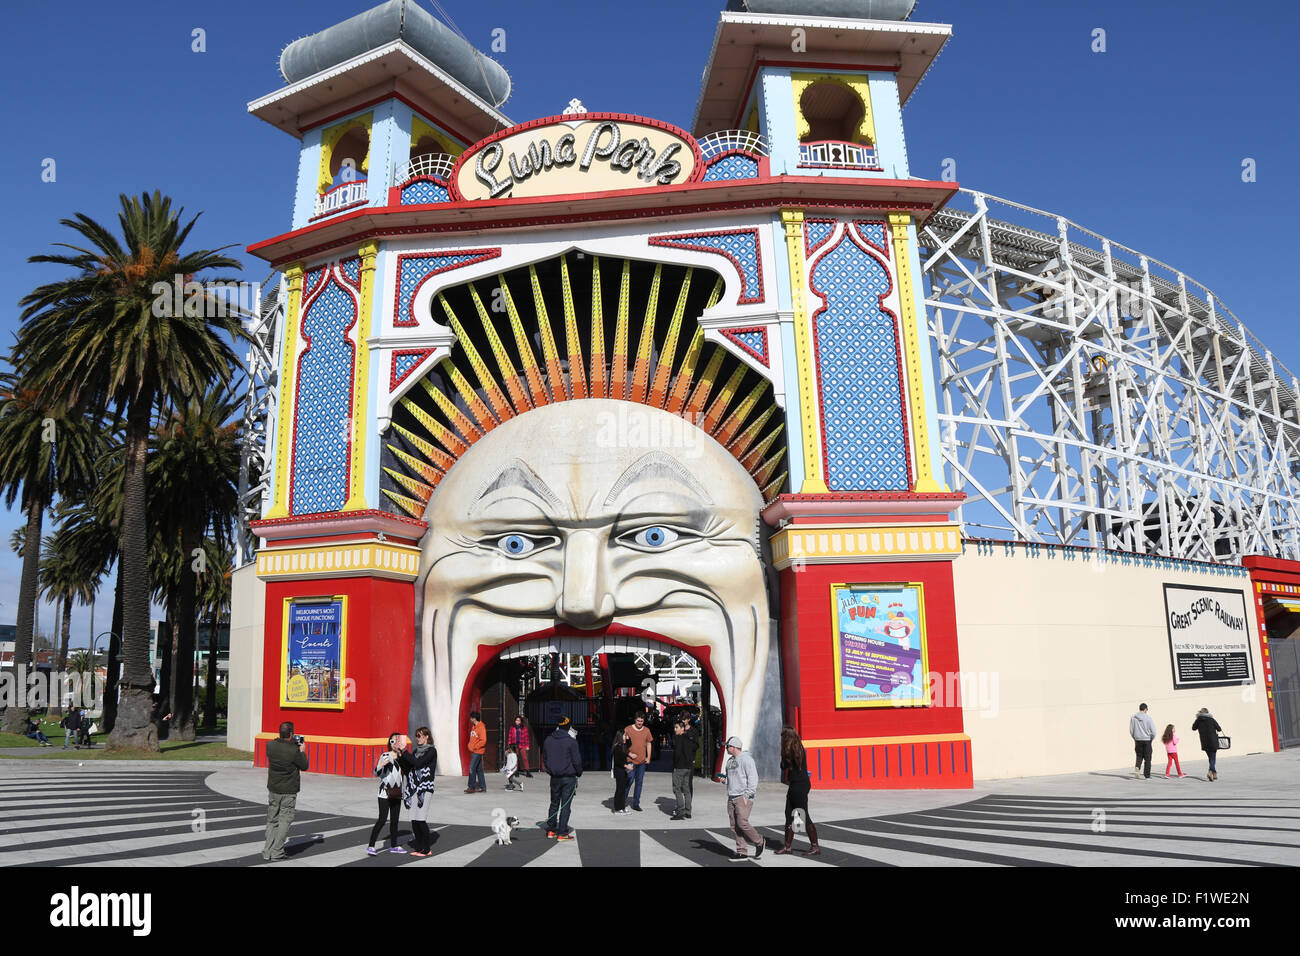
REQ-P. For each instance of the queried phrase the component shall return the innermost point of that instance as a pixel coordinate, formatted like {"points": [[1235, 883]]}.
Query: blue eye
{"points": [[655, 537], [516, 545]]}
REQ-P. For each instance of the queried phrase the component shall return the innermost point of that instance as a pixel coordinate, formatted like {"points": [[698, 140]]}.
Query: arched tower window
{"points": [[835, 125]]}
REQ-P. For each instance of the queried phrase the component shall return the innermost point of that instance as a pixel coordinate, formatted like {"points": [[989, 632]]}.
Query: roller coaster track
{"points": [[1090, 395]]}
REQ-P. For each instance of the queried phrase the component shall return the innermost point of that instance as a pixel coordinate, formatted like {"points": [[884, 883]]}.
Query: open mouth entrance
{"points": [[600, 682]]}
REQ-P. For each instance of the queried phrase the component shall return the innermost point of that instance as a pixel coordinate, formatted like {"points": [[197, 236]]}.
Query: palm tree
{"points": [[194, 476], [104, 340], [45, 451], [68, 575], [214, 601]]}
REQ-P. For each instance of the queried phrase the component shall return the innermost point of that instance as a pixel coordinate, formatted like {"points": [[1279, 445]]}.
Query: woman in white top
{"points": [[389, 771]]}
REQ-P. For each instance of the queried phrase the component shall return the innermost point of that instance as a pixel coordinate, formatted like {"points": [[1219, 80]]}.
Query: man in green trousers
{"points": [[286, 758]]}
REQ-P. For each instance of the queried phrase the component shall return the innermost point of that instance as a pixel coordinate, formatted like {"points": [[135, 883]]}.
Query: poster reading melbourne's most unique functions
{"points": [[313, 653], [1209, 636], [880, 649]]}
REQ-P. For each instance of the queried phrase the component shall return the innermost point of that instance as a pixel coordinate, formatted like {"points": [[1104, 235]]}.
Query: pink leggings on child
{"points": [[1173, 762]]}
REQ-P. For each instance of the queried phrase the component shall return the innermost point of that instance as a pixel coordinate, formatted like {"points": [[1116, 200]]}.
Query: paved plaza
{"points": [[133, 813]]}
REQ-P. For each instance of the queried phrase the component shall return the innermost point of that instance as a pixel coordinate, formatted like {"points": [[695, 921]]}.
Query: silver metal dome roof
{"points": [[852, 9], [397, 20]]}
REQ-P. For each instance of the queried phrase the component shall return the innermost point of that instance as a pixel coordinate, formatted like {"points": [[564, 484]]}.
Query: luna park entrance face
{"points": [[600, 694]]}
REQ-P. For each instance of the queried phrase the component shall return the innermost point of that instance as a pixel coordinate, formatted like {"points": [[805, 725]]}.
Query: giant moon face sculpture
{"points": [[593, 518]]}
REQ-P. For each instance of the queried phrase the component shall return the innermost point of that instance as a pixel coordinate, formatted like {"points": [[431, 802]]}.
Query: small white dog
{"points": [[502, 825]]}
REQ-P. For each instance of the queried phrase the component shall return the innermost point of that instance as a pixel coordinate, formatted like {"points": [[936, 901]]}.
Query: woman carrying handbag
{"points": [[1209, 729]]}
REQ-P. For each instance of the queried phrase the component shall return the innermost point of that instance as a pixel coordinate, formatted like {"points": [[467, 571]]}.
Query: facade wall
{"points": [[247, 614], [1061, 650]]}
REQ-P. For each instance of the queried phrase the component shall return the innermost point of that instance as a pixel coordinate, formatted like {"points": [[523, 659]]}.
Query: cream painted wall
{"points": [[1057, 654], [247, 620]]}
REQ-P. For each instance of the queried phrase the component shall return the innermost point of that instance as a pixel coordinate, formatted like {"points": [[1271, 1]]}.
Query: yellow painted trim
{"points": [[421, 129], [374, 558], [855, 83], [819, 544], [284, 417], [878, 741], [913, 357], [315, 739], [922, 640], [358, 434], [285, 702], [814, 481], [751, 124], [330, 138]]}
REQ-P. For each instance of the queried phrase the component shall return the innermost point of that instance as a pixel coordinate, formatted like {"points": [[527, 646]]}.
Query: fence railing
{"points": [[838, 155], [340, 196], [724, 141], [426, 164]]}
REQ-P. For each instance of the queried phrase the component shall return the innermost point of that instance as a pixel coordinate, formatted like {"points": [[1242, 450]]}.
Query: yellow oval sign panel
{"points": [[590, 153], [298, 689]]}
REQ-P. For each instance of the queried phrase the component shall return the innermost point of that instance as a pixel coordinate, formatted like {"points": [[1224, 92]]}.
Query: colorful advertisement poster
{"points": [[313, 653], [880, 650], [1209, 636]]}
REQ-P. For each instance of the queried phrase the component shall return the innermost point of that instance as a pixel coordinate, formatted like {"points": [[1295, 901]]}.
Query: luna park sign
{"points": [[566, 155]]}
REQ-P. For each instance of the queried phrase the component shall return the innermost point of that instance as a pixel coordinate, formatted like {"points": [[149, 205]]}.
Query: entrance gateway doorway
{"points": [[600, 684]]}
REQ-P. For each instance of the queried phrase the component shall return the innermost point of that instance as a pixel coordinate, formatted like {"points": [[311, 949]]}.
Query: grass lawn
{"points": [[171, 749]]}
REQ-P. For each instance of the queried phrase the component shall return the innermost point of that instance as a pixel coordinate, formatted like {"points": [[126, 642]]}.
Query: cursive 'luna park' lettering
{"points": [[606, 141]]}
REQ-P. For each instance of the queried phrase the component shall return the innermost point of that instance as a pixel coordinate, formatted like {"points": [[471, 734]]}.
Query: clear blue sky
{"points": [[1142, 143]]}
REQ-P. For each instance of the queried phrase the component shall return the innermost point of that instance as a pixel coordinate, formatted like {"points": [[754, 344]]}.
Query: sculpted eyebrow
{"points": [[518, 475], [657, 465]]}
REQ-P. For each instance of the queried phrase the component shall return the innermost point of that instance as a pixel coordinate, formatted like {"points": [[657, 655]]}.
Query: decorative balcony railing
{"points": [[346, 194], [729, 140], [834, 154], [438, 165]]}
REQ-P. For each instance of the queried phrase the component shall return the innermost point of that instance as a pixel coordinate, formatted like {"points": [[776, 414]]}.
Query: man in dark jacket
{"points": [[686, 740], [564, 764], [286, 758]]}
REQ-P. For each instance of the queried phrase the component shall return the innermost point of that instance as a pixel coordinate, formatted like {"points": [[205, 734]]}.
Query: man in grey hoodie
{"points": [[741, 777], [1143, 730]]}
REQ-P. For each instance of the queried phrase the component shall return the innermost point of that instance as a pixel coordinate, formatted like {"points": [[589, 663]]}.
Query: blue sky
{"points": [[1143, 143]]}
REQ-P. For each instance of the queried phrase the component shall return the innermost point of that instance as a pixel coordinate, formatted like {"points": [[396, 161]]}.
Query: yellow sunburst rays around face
{"points": [[683, 382]]}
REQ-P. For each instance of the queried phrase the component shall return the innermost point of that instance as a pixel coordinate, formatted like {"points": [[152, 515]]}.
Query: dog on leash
{"points": [[502, 825]]}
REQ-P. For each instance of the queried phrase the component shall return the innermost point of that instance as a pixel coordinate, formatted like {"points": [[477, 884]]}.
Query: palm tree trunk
{"points": [[187, 620], [210, 698], [15, 718], [56, 689], [133, 728], [114, 655]]}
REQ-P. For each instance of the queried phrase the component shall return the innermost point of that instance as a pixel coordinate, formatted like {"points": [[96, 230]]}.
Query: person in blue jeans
{"points": [[640, 739], [564, 764]]}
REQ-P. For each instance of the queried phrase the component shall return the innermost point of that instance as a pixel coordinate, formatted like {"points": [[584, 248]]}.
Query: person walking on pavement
{"points": [[420, 764], [391, 779], [286, 758], [519, 736], [794, 770], [741, 778], [1143, 730], [1209, 729], [564, 764], [640, 749], [622, 765], [685, 742], [71, 724], [477, 745], [1170, 740]]}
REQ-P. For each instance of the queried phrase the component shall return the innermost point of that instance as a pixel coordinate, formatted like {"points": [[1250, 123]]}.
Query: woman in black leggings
{"points": [[389, 771], [794, 771]]}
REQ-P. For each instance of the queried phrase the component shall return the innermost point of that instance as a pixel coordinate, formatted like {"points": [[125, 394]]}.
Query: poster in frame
{"points": [[880, 645], [1210, 636], [313, 653]]}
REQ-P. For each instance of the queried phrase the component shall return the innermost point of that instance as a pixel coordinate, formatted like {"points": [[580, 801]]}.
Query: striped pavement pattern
{"points": [[170, 818]]}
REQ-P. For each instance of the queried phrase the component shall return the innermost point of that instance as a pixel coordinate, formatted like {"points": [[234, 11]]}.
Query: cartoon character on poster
{"points": [[879, 645]]}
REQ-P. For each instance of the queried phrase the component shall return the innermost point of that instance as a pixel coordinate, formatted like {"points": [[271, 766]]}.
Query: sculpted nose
{"points": [[584, 599]]}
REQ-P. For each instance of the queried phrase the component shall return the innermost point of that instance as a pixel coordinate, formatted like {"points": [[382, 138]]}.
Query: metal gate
{"points": [[1285, 655]]}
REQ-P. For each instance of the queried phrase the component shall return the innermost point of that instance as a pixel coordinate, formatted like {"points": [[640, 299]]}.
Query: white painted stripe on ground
{"points": [[357, 851], [58, 831], [460, 855], [560, 854], [220, 854], [1094, 855], [45, 813], [654, 853], [889, 854], [124, 847]]}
